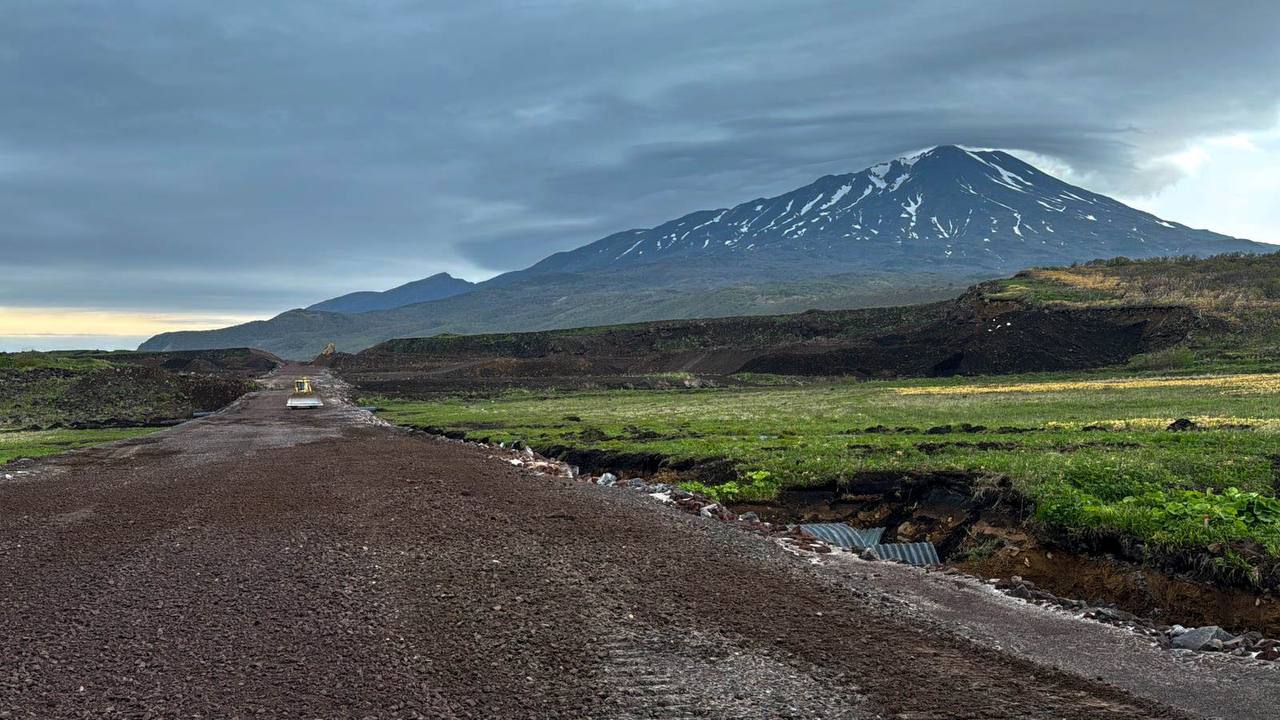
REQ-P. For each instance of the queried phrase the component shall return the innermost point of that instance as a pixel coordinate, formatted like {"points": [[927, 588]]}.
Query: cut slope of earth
{"points": [[910, 230], [972, 335], [79, 390]]}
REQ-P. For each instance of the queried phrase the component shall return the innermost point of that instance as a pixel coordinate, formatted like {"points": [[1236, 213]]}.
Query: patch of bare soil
{"points": [[402, 384], [1143, 591], [977, 338]]}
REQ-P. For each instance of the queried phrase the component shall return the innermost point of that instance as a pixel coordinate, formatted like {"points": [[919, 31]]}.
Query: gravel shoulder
{"points": [[321, 564]]}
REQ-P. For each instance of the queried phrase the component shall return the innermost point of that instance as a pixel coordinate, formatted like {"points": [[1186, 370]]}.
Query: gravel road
{"points": [[319, 564]]}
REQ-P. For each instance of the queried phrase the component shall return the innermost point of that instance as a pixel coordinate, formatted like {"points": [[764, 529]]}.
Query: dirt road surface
{"points": [[318, 564]]}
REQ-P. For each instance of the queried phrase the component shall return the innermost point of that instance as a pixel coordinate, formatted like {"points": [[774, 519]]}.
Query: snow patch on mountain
{"points": [[986, 210]]}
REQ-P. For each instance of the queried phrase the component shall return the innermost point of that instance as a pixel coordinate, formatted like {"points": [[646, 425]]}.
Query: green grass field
{"points": [[1091, 450], [33, 444], [68, 360]]}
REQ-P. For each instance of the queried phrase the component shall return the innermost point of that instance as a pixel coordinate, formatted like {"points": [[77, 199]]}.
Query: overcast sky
{"points": [[169, 164]]}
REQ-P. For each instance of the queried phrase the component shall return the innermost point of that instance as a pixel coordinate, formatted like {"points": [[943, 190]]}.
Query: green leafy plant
{"points": [[760, 487]]}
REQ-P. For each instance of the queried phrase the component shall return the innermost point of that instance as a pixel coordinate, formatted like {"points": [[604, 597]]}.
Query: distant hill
{"points": [[436, 287], [909, 230], [560, 301]]}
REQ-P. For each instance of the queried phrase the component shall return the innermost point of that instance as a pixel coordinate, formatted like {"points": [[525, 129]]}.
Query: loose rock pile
{"points": [[1210, 638]]}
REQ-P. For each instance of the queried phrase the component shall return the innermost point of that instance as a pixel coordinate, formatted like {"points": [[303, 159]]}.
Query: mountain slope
{"points": [[560, 301], [436, 287], [947, 210], [909, 230]]}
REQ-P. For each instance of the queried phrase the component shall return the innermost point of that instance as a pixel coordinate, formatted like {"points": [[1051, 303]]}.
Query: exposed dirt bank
{"points": [[983, 338], [1142, 591], [988, 531], [233, 362], [124, 389], [971, 335]]}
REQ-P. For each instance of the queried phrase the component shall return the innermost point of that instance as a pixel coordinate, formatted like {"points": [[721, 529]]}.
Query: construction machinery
{"points": [[303, 395]]}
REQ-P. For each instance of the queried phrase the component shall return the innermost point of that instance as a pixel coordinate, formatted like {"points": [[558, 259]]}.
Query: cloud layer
{"points": [[244, 157]]}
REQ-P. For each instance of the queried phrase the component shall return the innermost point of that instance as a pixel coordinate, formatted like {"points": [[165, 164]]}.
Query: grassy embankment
{"points": [[32, 384], [1238, 297], [1092, 451]]}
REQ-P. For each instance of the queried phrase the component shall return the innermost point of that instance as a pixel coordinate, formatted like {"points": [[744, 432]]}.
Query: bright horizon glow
{"points": [[1231, 185], [61, 322], [1226, 184]]}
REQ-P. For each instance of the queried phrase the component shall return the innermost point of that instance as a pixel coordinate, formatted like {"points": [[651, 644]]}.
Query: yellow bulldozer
{"points": [[303, 395]]}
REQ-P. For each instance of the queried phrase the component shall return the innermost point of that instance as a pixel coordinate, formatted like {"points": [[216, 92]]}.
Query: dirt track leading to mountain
{"points": [[318, 564]]}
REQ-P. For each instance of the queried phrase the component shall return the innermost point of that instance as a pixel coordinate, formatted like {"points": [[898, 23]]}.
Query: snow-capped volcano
{"points": [[948, 208], [917, 227]]}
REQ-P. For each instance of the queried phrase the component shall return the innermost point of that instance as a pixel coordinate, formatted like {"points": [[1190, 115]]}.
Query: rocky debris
{"points": [[791, 538], [542, 466], [1268, 650], [1210, 638], [1112, 615]]}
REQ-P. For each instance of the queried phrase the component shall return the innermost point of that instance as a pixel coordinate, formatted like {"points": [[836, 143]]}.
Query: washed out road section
{"points": [[320, 564]]}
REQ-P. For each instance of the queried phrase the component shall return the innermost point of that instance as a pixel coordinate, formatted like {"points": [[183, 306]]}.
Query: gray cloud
{"points": [[241, 156]]}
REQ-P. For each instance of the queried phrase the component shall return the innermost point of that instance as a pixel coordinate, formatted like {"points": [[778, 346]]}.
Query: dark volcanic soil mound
{"points": [[236, 362], [144, 389], [969, 336], [978, 339], [142, 396]]}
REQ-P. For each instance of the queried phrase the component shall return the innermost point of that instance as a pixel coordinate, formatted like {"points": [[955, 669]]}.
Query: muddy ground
{"points": [[320, 564]]}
